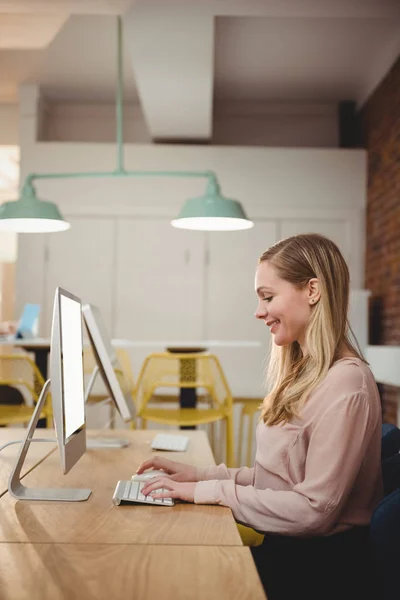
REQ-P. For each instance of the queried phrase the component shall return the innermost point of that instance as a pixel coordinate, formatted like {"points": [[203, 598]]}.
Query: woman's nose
{"points": [[260, 312]]}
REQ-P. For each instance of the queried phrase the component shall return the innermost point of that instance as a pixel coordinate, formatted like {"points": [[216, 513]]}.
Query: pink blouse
{"points": [[316, 475]]}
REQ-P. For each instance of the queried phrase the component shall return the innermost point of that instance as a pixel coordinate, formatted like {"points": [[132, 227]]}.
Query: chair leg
{"points": [[240, 440], [212, 436], [230, 459], [249, 438]]}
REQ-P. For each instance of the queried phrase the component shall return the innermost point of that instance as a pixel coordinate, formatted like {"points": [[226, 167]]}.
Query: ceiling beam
{"points": [[29, 31], [172, 55]]}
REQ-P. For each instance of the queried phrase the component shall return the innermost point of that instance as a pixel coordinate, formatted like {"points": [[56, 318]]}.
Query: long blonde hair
{"points": [[291, 375]]}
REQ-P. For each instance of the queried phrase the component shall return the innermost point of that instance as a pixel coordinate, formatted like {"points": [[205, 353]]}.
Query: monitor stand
{"points": [[101, 442], [20, 491]]}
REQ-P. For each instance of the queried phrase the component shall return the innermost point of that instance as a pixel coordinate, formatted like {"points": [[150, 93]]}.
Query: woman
{"points": [[317, 475]]}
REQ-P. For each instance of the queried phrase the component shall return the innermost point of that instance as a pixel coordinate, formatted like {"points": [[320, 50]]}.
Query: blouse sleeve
{"points": [[336, 449], [242, 476]]}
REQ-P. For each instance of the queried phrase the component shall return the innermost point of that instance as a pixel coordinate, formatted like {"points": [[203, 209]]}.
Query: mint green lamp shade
{"points": [[31, 215], [212, 212]]}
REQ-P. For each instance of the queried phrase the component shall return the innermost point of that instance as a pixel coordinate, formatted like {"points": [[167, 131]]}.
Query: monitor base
{"points": [[20, 491], [106, 443]]}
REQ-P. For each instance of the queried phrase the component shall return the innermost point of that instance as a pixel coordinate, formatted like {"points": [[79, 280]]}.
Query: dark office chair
{"points": [[390, 449], [385, 522]]}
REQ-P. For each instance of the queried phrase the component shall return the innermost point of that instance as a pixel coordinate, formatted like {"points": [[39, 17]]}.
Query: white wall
{"points": [[234, 124], [288, 189], [284, 125]]}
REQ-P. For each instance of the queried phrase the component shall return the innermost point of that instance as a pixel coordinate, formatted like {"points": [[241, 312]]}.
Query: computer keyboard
{"points": [[169, 442], [131, 491]]}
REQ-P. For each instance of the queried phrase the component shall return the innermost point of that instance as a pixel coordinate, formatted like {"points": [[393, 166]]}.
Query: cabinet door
{"points": [[231, 303], [30, 274], [81, 260], [231, 300], [160, 281]]}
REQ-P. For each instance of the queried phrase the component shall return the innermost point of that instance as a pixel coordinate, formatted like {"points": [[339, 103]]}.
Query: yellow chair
{"points": [[250, 406], [249, 536], [20, 372], [166, 371]]}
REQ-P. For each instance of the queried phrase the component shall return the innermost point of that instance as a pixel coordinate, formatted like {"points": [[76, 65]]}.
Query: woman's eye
{"points": [[268, 299]]}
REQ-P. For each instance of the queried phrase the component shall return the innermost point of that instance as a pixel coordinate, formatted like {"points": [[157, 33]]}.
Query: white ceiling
{"points": [[182, 53], [80, 63], [314, 59]]}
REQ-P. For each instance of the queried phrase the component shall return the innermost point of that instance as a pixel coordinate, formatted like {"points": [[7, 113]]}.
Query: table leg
{"points": [[41, 359], [188, 396]]}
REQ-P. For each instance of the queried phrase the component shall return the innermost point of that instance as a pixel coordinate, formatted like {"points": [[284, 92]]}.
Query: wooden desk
{"points": [[87, 572], [98, 521], [37, 452]]}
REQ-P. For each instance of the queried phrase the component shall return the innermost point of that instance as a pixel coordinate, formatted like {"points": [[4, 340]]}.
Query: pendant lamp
{"points": [[212, 212], [28, 214]]}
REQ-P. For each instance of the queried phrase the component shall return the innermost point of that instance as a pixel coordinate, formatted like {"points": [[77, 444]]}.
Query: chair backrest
{"points": [[390, 452], [166, 370], [19, 370], [385, 522], [385, 541]]}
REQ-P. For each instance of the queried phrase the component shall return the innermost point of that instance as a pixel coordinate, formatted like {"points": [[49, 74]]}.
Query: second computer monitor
{"points": [[107, 360]]}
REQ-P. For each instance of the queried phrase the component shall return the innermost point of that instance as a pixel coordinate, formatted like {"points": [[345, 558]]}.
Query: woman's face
{"points": [[284, 308]]}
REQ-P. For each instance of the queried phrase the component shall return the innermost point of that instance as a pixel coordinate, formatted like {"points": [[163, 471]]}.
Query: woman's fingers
{"points": [[169, 494], [156, 463], [156, 483], [162, 487]]}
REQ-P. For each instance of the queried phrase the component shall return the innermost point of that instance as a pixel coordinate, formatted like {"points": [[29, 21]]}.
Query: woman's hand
{"points": [[175, 471], [181, 491]]}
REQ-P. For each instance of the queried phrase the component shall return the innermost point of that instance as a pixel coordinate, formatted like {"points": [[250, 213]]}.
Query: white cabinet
{"points": [[81, 260], [231, 303], [159, 293], [230, 296], [153, 282]]}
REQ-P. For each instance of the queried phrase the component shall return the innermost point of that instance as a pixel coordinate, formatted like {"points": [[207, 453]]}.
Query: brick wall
{"points": [[380, 120]]}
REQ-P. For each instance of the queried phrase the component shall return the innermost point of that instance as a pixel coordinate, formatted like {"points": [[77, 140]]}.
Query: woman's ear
{"points": [[313, 291]]}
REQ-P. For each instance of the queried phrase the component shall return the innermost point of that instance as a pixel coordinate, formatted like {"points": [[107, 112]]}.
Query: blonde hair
{"points": [[293, 376]]}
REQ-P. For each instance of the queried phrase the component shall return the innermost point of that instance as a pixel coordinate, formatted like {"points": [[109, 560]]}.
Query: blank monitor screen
{"points": [[71, 349]]}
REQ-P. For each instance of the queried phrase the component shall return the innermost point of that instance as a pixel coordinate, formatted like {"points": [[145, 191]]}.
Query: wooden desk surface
{"points": [[37, 452], [117, 571], [98, 521]]}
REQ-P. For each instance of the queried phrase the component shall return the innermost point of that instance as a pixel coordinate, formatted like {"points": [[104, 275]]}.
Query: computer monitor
{"points": [[28, 326], [107, 361], [68, 400], [66, 376]]}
